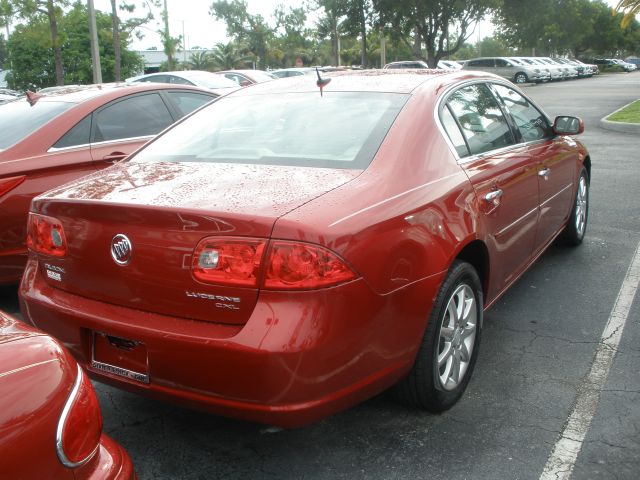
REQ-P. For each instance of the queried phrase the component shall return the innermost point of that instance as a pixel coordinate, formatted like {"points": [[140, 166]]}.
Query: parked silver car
{"points": [[517, 72]]}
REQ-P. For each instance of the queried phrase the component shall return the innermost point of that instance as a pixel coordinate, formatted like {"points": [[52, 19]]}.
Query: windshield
{"points": [[262, 76], [338, 130], [210, 80], [19, 119]]}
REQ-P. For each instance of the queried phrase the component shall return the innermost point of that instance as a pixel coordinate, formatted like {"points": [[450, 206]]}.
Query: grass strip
{"points": [[629, 114]]}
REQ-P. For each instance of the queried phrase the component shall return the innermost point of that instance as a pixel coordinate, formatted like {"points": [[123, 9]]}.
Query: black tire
{"points": [[574, 231], [424, 387], [521, 77]]}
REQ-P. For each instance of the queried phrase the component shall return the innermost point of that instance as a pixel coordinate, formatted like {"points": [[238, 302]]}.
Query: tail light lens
{"points": [[80, 425], [300, 266], [45, 235], [8, 184], [228, 261], [289, 265]]}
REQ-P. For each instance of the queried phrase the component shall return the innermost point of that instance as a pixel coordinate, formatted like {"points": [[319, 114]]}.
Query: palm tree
{"points": [[200, 61], [630, 8], [227, 57]]}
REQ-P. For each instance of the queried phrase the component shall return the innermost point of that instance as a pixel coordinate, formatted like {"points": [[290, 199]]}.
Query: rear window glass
{"points": [[19, 119], [339, 130]]}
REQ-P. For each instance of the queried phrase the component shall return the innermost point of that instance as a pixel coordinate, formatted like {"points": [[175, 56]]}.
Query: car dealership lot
{"points": [[538, 344]]}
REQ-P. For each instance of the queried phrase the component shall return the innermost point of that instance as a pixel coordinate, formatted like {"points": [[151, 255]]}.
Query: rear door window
{"points": [[481, 119], [135, 116]]}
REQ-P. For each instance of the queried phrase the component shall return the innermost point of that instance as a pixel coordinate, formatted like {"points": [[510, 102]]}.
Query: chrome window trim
{"points": [[104, 142], [441, 103], [63, 418]]}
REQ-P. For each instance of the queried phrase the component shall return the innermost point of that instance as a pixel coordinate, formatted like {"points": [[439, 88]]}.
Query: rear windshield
{"points": [[19, 119], [338, 130]]}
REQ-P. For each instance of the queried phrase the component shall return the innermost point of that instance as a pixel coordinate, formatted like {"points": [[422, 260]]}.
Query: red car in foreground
{"points": [[49, 139], [50, 420], [285, 253]]}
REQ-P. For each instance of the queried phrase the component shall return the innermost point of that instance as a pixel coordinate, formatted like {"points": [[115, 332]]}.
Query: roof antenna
{"points": [[322, 82], [32, 97]]}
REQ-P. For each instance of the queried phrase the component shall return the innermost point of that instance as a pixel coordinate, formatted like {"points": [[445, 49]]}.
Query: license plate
{"points": [[120, 356]]}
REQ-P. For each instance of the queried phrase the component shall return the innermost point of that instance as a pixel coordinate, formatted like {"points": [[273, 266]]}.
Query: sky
{"points": [[202, 30]]}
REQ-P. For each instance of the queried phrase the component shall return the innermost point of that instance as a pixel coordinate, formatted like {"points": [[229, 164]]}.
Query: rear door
{"points": [[122, 126], [503, 176]]}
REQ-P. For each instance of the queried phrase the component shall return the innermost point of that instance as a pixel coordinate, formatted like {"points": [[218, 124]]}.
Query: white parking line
{"points": [[563, 458]]}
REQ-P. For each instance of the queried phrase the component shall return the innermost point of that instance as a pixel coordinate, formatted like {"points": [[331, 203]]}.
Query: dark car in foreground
{"points": [[49, 139], [285, 253], [50, 420]]}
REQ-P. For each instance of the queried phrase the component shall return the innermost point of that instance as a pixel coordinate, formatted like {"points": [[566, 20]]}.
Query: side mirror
{"points": [[245, 83], [565, 125]]}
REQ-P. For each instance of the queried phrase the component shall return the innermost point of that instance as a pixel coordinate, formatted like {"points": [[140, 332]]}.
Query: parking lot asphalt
{"points": [[539, 344]]}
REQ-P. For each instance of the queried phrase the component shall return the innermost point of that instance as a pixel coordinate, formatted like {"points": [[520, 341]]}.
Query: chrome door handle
{"points": [[493, 195], [544, 173]]}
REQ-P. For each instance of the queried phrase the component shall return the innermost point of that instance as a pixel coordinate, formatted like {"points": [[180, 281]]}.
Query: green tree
{"points": [[4, 53], [200, 61], [52, 10], [251, 30], [30, 52], [6, 15], [291, 38], [229, 56], [330, 24], [357, 13], [441, 25]]}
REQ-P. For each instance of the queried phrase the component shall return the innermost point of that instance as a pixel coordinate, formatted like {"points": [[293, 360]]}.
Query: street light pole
{"points": [[95, 52]]}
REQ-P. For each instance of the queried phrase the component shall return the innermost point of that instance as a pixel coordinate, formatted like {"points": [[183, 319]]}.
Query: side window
{"points": [[483, 124], [532, 124], [501, 63], [80, 134], [187, 102], [178, 80], [137, 116], [453, 131], [234, 77]]}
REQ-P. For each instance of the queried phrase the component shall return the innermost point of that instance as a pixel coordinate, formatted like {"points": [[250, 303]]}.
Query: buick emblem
{"points": [[121, 249]]}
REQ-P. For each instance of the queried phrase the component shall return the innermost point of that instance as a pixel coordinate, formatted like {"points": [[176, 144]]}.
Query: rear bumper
{"points": [[300, 357], [111, 462]]}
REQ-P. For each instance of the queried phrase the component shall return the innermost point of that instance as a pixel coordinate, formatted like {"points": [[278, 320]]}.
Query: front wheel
{"points": [[450, 344], [574, 231], [521, 78]]}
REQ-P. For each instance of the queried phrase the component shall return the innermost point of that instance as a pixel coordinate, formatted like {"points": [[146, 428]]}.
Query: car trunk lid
{"points": [[165, 210]]}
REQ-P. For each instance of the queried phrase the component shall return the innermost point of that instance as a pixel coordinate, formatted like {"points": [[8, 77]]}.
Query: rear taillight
{"points": [[228, 261], [300, 266], [45, 235], [8, 184], [288, 265], [80, 425]]}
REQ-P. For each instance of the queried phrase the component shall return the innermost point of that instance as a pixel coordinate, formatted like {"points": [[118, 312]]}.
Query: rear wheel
{"points": [[450, 344], [521, 77], [576, 227]]}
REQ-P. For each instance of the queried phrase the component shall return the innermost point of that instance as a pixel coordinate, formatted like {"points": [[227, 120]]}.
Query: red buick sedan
{"points": [[50, 420], [283, 254], [48, 140]]}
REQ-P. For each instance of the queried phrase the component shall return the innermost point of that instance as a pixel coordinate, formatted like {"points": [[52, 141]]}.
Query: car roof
{"points": [[81, 93], [391, 81]]}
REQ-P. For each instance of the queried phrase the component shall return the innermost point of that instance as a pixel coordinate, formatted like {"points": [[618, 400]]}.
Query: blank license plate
{"points": [[120, 356]]}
